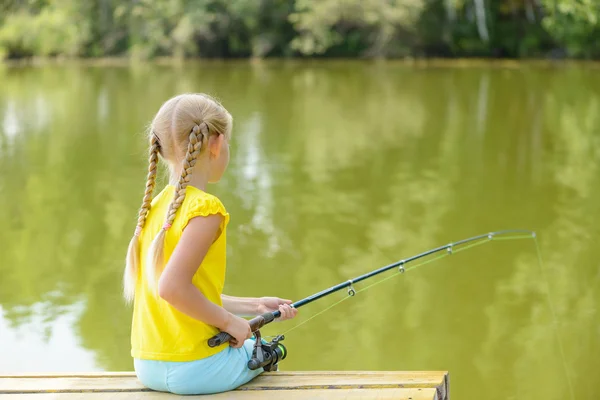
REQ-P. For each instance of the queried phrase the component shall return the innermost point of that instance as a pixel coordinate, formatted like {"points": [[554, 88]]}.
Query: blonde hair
{"points": [[177, 133]]}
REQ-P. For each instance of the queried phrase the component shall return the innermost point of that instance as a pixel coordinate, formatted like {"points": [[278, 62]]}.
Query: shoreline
{"points": [[407, 61]]}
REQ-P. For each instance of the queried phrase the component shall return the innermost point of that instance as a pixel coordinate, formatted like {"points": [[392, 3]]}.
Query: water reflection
{"points": [[336, 169], [47, 334]]}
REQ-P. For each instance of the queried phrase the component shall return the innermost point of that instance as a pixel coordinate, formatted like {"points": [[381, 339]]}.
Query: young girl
{"points": [[175, 267]]}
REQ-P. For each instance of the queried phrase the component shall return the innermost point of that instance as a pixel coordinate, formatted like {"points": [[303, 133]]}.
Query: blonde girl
{"points": [[175, 268]]}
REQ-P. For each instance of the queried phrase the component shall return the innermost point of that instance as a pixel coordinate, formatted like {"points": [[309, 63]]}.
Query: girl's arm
{"points": [[175, 284], [253, 306], [241, 306]]}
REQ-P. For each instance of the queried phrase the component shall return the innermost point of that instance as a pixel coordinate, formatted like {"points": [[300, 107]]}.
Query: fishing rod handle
{"points": [[255, 324]]}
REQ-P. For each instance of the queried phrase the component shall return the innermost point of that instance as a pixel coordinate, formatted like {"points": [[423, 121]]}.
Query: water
{"points": [[337, 169]]}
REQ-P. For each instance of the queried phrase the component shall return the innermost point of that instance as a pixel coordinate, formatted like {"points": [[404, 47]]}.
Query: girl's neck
{"points": [[199, 178]]}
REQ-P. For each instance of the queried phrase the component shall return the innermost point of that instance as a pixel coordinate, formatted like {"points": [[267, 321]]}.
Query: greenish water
{"points": [[336, 169]]}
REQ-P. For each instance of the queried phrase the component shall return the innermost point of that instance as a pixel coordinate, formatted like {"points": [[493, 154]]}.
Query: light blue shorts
{"points": [[221, 372]]}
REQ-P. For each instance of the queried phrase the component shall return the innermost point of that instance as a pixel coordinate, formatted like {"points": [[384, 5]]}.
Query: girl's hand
{"points": [[239, 329], [270, 304]]}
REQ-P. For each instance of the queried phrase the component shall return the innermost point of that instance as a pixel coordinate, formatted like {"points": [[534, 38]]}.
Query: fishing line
{"points": [[554, 319], [452, 250], [364, 289], [403, 269]]}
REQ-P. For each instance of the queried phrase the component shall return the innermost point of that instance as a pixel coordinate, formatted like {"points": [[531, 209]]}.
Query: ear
{"points": [[214, 145]]}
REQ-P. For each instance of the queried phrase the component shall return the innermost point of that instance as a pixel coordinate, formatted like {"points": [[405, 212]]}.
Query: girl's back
{"points": [[159, 331]]}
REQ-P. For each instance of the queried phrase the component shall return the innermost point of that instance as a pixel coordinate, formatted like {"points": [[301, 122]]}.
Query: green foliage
{"points": [[50, 32], [334, 28], [369, 26], [211, 28], [575, 25]]}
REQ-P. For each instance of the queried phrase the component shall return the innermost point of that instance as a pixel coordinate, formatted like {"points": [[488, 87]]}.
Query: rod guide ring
{"points": [[401, 267], [351, 290]]}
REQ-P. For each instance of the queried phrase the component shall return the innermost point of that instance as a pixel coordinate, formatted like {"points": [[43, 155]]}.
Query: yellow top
{"points": [[159, 331]]}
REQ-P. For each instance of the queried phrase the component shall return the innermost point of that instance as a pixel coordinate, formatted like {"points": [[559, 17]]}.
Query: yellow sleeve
{"points": [[204, 206]]}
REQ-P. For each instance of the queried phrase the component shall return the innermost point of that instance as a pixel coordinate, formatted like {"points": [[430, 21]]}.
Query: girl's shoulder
{"points": [[199, 203]]}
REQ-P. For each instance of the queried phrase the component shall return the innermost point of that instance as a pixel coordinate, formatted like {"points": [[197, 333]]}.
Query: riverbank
{"points": [[408, 61]]}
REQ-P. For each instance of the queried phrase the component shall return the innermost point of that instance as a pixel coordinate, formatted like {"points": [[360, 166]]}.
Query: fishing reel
{"points": [[267, 354]]}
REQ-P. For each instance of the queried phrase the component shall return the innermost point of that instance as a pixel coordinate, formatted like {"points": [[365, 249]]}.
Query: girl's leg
{"points": [[221, 372], [152, 374]]}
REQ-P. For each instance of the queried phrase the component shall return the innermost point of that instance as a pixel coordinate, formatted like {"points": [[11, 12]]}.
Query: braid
{"points": [[133, 252], [156, 251], [150, 183], [194, 146]]}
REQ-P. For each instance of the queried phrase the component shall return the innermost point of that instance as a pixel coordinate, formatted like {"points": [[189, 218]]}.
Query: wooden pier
{"points": [[276, 385]]}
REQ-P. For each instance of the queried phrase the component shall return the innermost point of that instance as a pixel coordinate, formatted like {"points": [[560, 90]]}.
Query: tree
{"points": [[574, 25], [368, 27]]}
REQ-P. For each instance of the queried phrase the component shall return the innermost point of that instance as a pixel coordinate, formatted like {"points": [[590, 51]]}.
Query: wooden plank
{"points": [[268, 382], [325, 394], [279, 373], [340, 381], [70, 375], [60, 384]]}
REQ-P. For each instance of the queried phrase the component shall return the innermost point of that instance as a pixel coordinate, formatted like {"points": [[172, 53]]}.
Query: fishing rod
{"points": [[267, 355]]}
